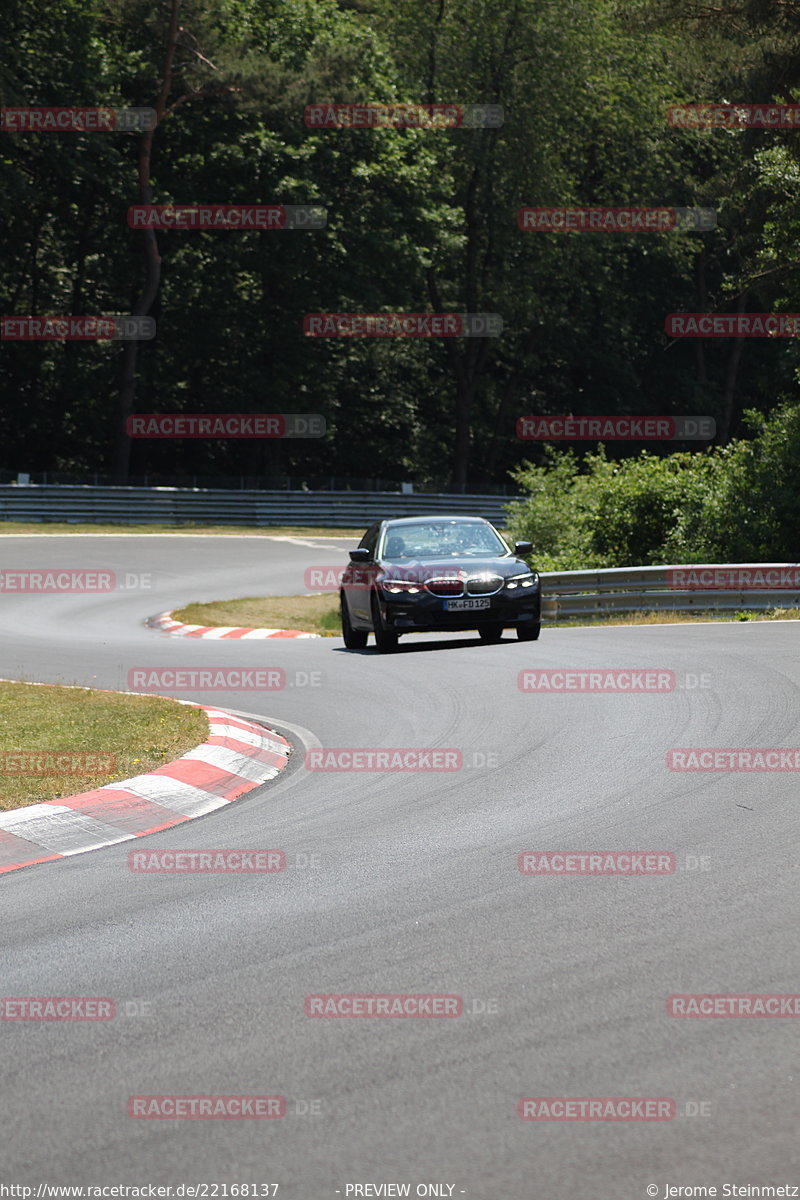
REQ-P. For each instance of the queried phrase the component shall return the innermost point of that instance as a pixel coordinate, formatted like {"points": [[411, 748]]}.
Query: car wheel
{"points": [[354, 639], [529, 632], [385, 642], [490, 633]]}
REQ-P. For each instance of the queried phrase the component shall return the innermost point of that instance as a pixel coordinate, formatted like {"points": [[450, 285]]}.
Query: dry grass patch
{"points": [[309, 614], [320, 614], [674, 618], [141, 732]]}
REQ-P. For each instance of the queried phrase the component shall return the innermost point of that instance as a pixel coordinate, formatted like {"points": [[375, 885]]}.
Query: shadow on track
{"points": [[421, 647]]}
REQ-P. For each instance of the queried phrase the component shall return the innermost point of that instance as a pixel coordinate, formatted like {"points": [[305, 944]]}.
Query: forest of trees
{"points": [[418, 220]]}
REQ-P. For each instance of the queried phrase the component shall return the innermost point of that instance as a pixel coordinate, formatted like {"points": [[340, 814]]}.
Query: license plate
{"points": [[467, 603]]}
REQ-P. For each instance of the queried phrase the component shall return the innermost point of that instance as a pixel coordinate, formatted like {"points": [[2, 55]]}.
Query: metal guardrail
{"points": [[303, 481], [175, 506], [564, 593], [661, 589]]}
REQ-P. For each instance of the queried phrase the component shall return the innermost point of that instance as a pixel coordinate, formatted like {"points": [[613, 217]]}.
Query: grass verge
{"points": [[675, 618], [141, 732], [320, 614], [34, 527], [309, 614]]}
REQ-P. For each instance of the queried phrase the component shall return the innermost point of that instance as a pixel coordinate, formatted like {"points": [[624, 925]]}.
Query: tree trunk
{"points": [[731, 376], [146, 299], [467, 365], [70, 359], [702, 306]]}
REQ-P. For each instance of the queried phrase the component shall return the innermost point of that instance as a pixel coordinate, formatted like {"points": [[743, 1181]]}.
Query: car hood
{"points": [[427, 568]]}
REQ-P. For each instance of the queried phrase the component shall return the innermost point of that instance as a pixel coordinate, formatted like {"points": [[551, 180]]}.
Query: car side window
{"points": [[370, 539]]}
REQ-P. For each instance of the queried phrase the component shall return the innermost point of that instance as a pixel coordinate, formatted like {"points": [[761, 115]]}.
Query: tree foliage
{"points": [[418, 220], [737, 503]]}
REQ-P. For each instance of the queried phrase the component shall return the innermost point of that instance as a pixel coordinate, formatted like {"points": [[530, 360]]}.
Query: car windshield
{"points": [[442, 539]]}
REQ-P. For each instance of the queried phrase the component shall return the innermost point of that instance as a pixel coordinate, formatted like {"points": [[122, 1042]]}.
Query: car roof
{"points": [[442, 518]]}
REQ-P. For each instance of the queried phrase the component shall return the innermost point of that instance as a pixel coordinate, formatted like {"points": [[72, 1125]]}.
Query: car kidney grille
{"points": [[447, 586], [484, 585]]}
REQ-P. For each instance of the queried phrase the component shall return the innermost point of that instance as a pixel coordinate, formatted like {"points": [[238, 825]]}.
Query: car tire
{"points": [[385, 642], [529, 632], [354, 639], [490, 633]]}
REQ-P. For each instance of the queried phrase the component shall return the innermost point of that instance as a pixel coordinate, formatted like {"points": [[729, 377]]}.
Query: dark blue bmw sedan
{"points": [[434, 575]]}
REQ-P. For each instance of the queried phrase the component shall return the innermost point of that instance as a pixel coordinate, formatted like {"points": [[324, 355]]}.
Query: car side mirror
{"points": [[360, 555], [522, 548]]}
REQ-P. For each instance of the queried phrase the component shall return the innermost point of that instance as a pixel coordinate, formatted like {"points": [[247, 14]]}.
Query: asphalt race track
{"points": [[408, 883]]}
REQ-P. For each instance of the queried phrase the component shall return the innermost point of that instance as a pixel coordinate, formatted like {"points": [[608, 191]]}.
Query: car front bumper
{"points": [[403, 613]]}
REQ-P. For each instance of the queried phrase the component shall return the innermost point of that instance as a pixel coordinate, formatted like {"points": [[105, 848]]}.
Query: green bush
{"points": [[756, 510], [737, 504], [556, 519]]}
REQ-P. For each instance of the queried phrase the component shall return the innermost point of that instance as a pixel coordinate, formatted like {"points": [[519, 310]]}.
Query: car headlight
{"points": [[528, 579], [405, 587]]}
